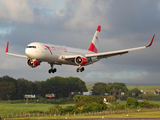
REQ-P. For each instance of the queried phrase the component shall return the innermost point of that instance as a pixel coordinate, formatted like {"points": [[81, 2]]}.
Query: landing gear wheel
{"points": [[80, 69], [77, 69], [54, 70], [50, 71]]}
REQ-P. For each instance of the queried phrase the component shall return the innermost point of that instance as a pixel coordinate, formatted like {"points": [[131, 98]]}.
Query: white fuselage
{"points": [[53, 53]]}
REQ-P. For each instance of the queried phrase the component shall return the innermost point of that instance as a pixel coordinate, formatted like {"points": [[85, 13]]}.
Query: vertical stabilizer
{"points": [[94, 44]]}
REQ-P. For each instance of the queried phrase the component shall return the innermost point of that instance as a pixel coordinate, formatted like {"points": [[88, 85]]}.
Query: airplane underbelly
{"points": [[50, 57]]}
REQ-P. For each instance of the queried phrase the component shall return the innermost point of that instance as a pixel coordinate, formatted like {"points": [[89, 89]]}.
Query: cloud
{"points": [[86, 13], [117, 75], [16, 10], [134, 16]]}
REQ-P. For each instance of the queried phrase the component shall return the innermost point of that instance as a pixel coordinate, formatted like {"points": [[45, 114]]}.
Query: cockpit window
{"points": [[31, 46]]}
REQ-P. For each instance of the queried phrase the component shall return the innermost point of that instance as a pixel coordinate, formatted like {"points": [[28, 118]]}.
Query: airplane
{"points": [[37, 52]]}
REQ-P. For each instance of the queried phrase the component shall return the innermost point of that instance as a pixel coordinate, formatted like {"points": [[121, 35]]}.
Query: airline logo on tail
{"points": [[94, 44]]}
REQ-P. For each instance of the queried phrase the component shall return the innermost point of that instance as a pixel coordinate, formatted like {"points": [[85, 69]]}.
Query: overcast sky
{"points": [[125, 24]]}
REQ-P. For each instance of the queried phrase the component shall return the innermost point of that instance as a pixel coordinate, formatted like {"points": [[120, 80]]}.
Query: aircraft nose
{"points": [[28, 52]]}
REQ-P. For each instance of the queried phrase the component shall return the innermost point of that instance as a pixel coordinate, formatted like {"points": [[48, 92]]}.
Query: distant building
{"points": [[122, 93], [87, 93]]}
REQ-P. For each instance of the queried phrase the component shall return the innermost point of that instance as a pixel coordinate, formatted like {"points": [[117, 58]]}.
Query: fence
{"points": [[28, 115]]}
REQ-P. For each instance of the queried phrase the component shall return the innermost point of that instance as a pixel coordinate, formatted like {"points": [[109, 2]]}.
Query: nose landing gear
{"points": [[52, 70]]}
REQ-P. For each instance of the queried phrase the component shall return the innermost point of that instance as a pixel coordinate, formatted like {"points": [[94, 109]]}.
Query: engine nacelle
{"points": [[33, 63], [80, 60]]}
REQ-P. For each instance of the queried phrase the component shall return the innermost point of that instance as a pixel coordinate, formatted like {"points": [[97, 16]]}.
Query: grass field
{"points": [[144, 87], [22, 108], [124, 102], [89, 88], [33, 107], [150, 115], [26, 108], [147, 89], [130, 115]]}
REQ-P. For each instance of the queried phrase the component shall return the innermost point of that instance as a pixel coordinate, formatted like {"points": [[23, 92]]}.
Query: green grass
{"points": [[151, 115], [89, 88], [22, 108], [144, 87], [154, 102], [25, 108], [147, 89]]}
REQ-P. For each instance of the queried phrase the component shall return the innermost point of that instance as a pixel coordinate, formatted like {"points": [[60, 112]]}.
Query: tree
{"points": [[110, 99], [6, 90], [116, 88], [99, 88], [62, 87], [136, 91]]}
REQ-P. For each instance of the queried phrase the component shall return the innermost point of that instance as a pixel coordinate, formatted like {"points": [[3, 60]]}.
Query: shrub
{"points": [[78, 98], [9, 102], [120, 107], [68, 109], [56, 109], [131, 102], [92, 107], [36, 111], [90, 104], [146, 104]]}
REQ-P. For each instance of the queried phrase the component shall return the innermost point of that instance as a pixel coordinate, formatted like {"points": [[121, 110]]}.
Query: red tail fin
{"points": [[94, 45]]}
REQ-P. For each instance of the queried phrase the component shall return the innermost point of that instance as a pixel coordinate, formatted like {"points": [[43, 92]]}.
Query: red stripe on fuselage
{"points": [[93, 48], [48, 48]]}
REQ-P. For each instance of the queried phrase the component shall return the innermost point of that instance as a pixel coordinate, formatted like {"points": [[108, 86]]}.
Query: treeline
{"points": [[101, 88], [120, 91], [13, 89]]}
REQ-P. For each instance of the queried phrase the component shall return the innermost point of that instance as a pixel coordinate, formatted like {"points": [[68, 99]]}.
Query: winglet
{"points": [[151, 41], [7, 47], [99, 28]]}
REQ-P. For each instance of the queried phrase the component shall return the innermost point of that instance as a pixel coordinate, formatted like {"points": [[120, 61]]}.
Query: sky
{"points": [[124, 24]]}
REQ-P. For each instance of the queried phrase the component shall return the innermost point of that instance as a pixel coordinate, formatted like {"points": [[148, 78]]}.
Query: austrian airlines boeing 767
{"points": [[57, 55]]}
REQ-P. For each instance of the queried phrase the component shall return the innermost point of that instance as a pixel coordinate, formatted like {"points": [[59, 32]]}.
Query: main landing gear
{"points": [[80, 69], [52, 70]]}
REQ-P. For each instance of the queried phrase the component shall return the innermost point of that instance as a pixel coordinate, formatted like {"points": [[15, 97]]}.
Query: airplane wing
{"points": [[107, 54], [17, 55], [119, 52]]}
